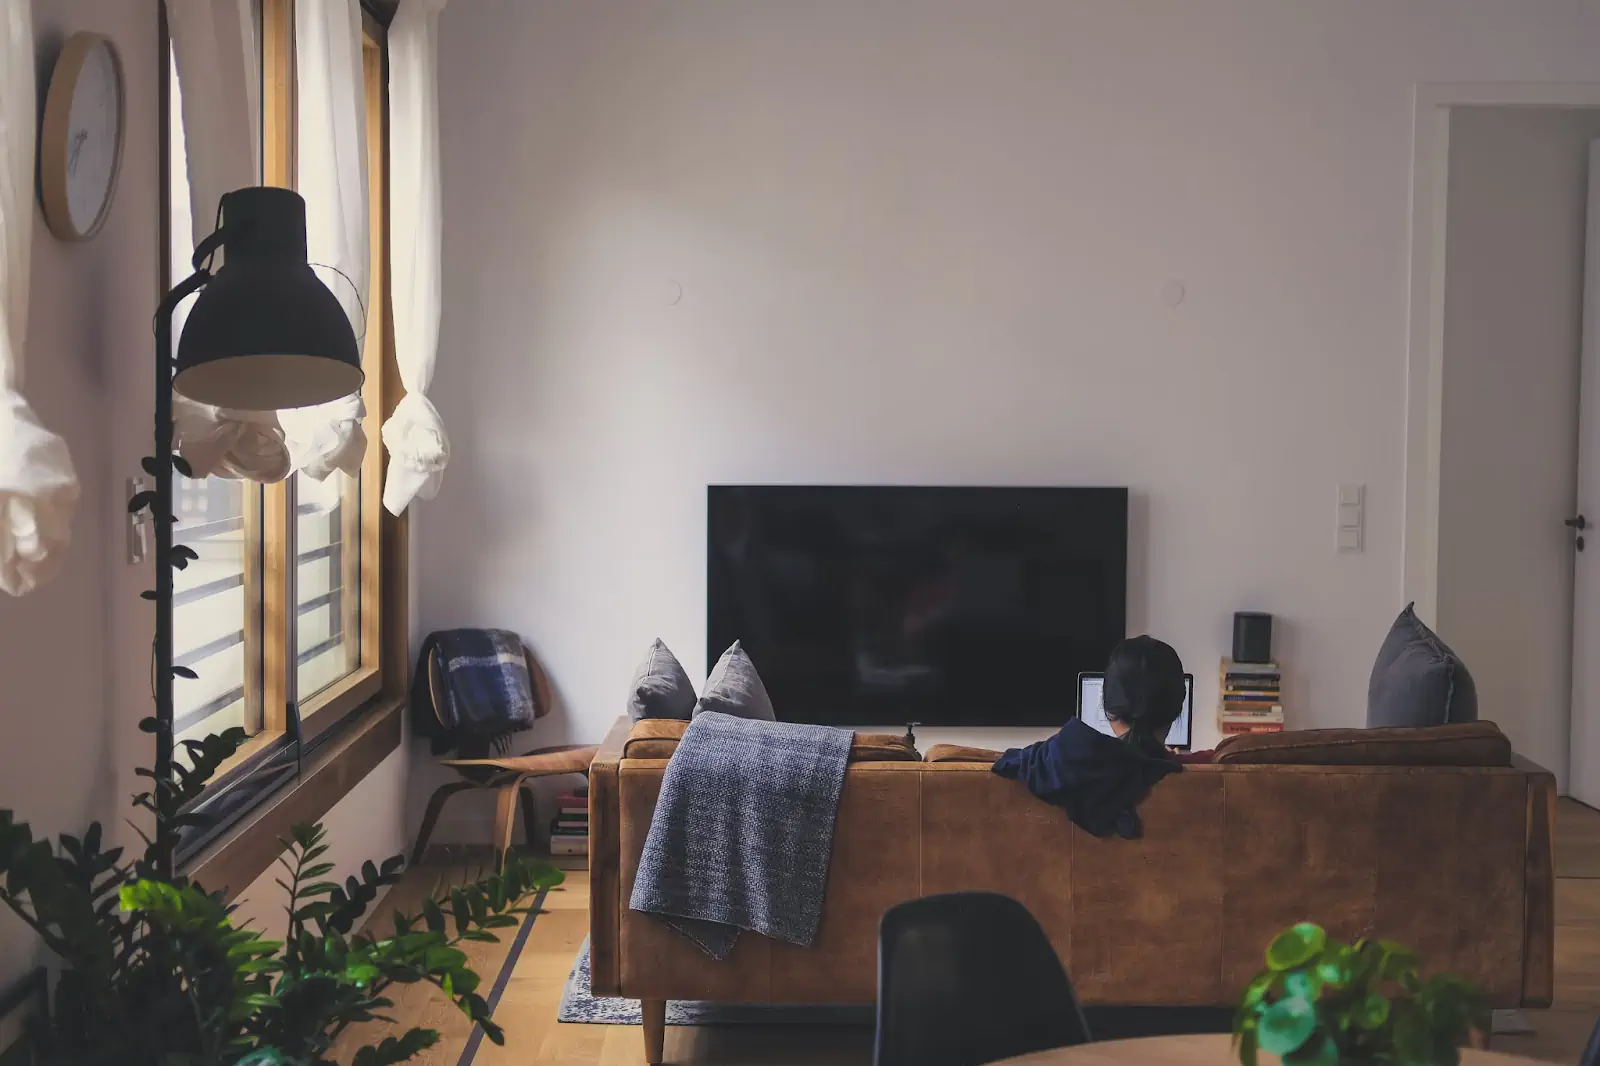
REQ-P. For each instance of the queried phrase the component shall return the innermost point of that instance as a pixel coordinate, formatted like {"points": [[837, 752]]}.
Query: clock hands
{"points": [[79, 139]]}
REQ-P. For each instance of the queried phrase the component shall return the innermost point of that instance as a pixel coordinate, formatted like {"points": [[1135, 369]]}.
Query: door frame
{"points": [[1430, 177]]}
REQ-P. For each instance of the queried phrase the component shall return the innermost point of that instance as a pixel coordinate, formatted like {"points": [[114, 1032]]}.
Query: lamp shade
{"points": [[266, 333]]}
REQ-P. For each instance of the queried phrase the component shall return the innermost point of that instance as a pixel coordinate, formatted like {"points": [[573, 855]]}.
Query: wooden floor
{"points": [[527, 1008]]}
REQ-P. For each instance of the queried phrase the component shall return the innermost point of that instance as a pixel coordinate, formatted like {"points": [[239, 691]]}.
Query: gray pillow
{"points": [[1418, 680], [660, 687], [735, 688]]}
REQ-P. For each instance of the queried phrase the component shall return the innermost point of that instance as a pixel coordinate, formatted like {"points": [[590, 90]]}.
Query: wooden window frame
{"points": [[346, 729]]}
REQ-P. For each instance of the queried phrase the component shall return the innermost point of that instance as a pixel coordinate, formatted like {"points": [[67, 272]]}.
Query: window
{"points": [[280, 616]]}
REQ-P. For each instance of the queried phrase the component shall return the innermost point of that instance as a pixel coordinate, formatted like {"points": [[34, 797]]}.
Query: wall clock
{"points": [[80, 144]]}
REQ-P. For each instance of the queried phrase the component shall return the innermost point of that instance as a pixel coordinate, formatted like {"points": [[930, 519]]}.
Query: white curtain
{"points": [[215, 51], [331, 144], [414, 434], [38, 487]]}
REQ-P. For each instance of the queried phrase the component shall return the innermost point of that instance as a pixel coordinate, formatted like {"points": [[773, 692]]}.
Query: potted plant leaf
{"points": [[154, 971], [1320, 1002]]}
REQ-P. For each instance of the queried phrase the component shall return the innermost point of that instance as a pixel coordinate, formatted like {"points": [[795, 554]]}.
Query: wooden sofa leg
{"points": [[655, 1029]]}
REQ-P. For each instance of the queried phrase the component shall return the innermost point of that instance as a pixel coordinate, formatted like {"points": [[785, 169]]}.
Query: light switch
{"points": [[138, 523], [1351, 518]]}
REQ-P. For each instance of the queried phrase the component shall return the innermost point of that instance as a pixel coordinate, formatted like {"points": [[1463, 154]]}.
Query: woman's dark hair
{"points": [[1145, 691]]}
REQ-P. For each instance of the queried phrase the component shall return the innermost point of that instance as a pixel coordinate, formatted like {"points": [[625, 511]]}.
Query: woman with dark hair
{"points": [[1100, 780], [1145, 693]]}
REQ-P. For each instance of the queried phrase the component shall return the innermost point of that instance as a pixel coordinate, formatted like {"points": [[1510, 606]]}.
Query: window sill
{"points": [[246, 851]]}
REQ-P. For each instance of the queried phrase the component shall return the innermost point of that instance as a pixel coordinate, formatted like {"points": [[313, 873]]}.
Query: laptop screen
{"points": [[1091, 708]]}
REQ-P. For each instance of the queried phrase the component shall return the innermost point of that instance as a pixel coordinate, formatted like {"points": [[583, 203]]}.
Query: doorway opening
{"points": [[1502, 268]]}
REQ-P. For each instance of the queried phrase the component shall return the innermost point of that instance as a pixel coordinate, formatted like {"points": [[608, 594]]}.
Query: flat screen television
{"points": [[864, 605]]}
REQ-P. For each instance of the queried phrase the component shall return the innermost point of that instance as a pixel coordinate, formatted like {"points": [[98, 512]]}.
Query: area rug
{"points": [[577, 1005]]}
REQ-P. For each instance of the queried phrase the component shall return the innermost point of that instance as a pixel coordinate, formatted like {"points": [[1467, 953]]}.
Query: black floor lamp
{"points": [[264, 334]]}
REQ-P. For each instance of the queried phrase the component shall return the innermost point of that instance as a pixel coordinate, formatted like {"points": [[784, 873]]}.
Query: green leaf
{"points": [[1286, 1025], [1295, 946], [264, 1056], [1246, 1044], [1303, 983], [1316, 1052], [1371, 1013]]}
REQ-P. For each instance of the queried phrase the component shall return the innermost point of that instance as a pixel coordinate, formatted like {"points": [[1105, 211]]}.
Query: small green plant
{"points": [[1320, 1002], [154, 972]]}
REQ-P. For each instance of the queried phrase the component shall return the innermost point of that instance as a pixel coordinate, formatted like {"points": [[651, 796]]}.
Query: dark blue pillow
{"points": [[1418, 680]]}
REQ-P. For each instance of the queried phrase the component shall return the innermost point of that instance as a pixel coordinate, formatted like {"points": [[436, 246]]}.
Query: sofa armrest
{"points": [[605, 862], [1539, 886]]}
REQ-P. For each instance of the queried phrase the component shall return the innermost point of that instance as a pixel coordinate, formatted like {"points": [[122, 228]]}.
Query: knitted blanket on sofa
{"points": [[742, 832]]}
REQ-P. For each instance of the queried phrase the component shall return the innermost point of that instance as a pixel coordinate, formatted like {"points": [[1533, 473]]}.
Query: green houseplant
{"points": [[154, 971], [1327, 1003]]}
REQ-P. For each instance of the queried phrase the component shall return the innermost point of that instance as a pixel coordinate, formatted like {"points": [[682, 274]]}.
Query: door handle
{"points": [[1580, 523]]}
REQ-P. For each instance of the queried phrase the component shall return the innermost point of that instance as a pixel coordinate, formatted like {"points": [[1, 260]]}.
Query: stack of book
{"points": [[569, 833], [1252, 698]]}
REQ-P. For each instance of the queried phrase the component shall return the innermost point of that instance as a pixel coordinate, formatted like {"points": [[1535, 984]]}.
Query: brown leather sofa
{"points": [[1439, 838]]}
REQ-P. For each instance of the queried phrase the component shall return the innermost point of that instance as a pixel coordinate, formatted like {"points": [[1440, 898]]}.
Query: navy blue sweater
{"points": [[1098, 780]]}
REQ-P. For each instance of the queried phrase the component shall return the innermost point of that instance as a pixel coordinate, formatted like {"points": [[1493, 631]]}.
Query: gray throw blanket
{"points": [[743, 831]]}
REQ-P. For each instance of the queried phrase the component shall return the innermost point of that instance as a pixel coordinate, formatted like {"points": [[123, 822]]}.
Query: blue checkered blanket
{"points": [[485, 696]]}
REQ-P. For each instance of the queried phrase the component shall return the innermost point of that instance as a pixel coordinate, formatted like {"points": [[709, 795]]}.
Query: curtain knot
{"points": [[419, 450], [220, 442], [326, 437], [38, 496]]}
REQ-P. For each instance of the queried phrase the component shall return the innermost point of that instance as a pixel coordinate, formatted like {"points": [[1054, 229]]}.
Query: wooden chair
{"points": [[508, 778]]}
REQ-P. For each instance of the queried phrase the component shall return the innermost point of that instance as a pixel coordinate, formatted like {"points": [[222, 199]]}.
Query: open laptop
{"points": [[1091, 708]]}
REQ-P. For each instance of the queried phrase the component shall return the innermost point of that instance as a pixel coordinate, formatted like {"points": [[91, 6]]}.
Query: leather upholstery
{"points": [[1454, 861], [961, 753], [1466, 744], [657, 738]]}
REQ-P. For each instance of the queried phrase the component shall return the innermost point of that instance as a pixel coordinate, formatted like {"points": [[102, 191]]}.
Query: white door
{"points": [[1584, 772]]}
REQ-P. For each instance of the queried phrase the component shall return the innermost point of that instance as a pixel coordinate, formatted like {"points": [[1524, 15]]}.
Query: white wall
{"points": [[68, 740], [1513, 330], [927, 243]]}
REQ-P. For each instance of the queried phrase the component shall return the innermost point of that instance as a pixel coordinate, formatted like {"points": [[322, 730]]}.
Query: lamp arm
{"points": [[164, 518]]}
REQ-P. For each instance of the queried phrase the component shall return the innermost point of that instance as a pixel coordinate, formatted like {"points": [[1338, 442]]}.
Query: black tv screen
{"points": [[948, 606]]}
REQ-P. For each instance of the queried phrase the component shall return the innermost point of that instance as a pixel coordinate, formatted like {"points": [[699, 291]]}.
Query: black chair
{"points": [[1591, 1054], [969, 978]]}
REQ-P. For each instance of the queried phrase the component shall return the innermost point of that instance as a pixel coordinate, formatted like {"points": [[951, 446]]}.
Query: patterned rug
{"points": [[577, 1005]]}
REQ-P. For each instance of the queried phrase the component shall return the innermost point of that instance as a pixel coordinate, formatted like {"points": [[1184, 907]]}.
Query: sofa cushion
{"points": [[960, 753], [658, 739], [1467, 744], [660, 687], [735, 688], [1418, 680]]}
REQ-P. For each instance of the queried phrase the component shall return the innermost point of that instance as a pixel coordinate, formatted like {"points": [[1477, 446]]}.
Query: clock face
{"points": [[94, 134], [80, 146]]}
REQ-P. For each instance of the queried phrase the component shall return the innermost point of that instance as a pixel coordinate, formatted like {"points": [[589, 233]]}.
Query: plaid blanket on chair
{"points": [[483, 694]]}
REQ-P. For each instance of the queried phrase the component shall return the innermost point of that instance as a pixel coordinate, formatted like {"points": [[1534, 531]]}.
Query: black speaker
{"points": [[1252, 637]]}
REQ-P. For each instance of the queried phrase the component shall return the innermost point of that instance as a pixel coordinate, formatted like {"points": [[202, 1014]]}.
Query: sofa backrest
{"points": [[1466, 744], [657, 738], [1454, 861]]}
